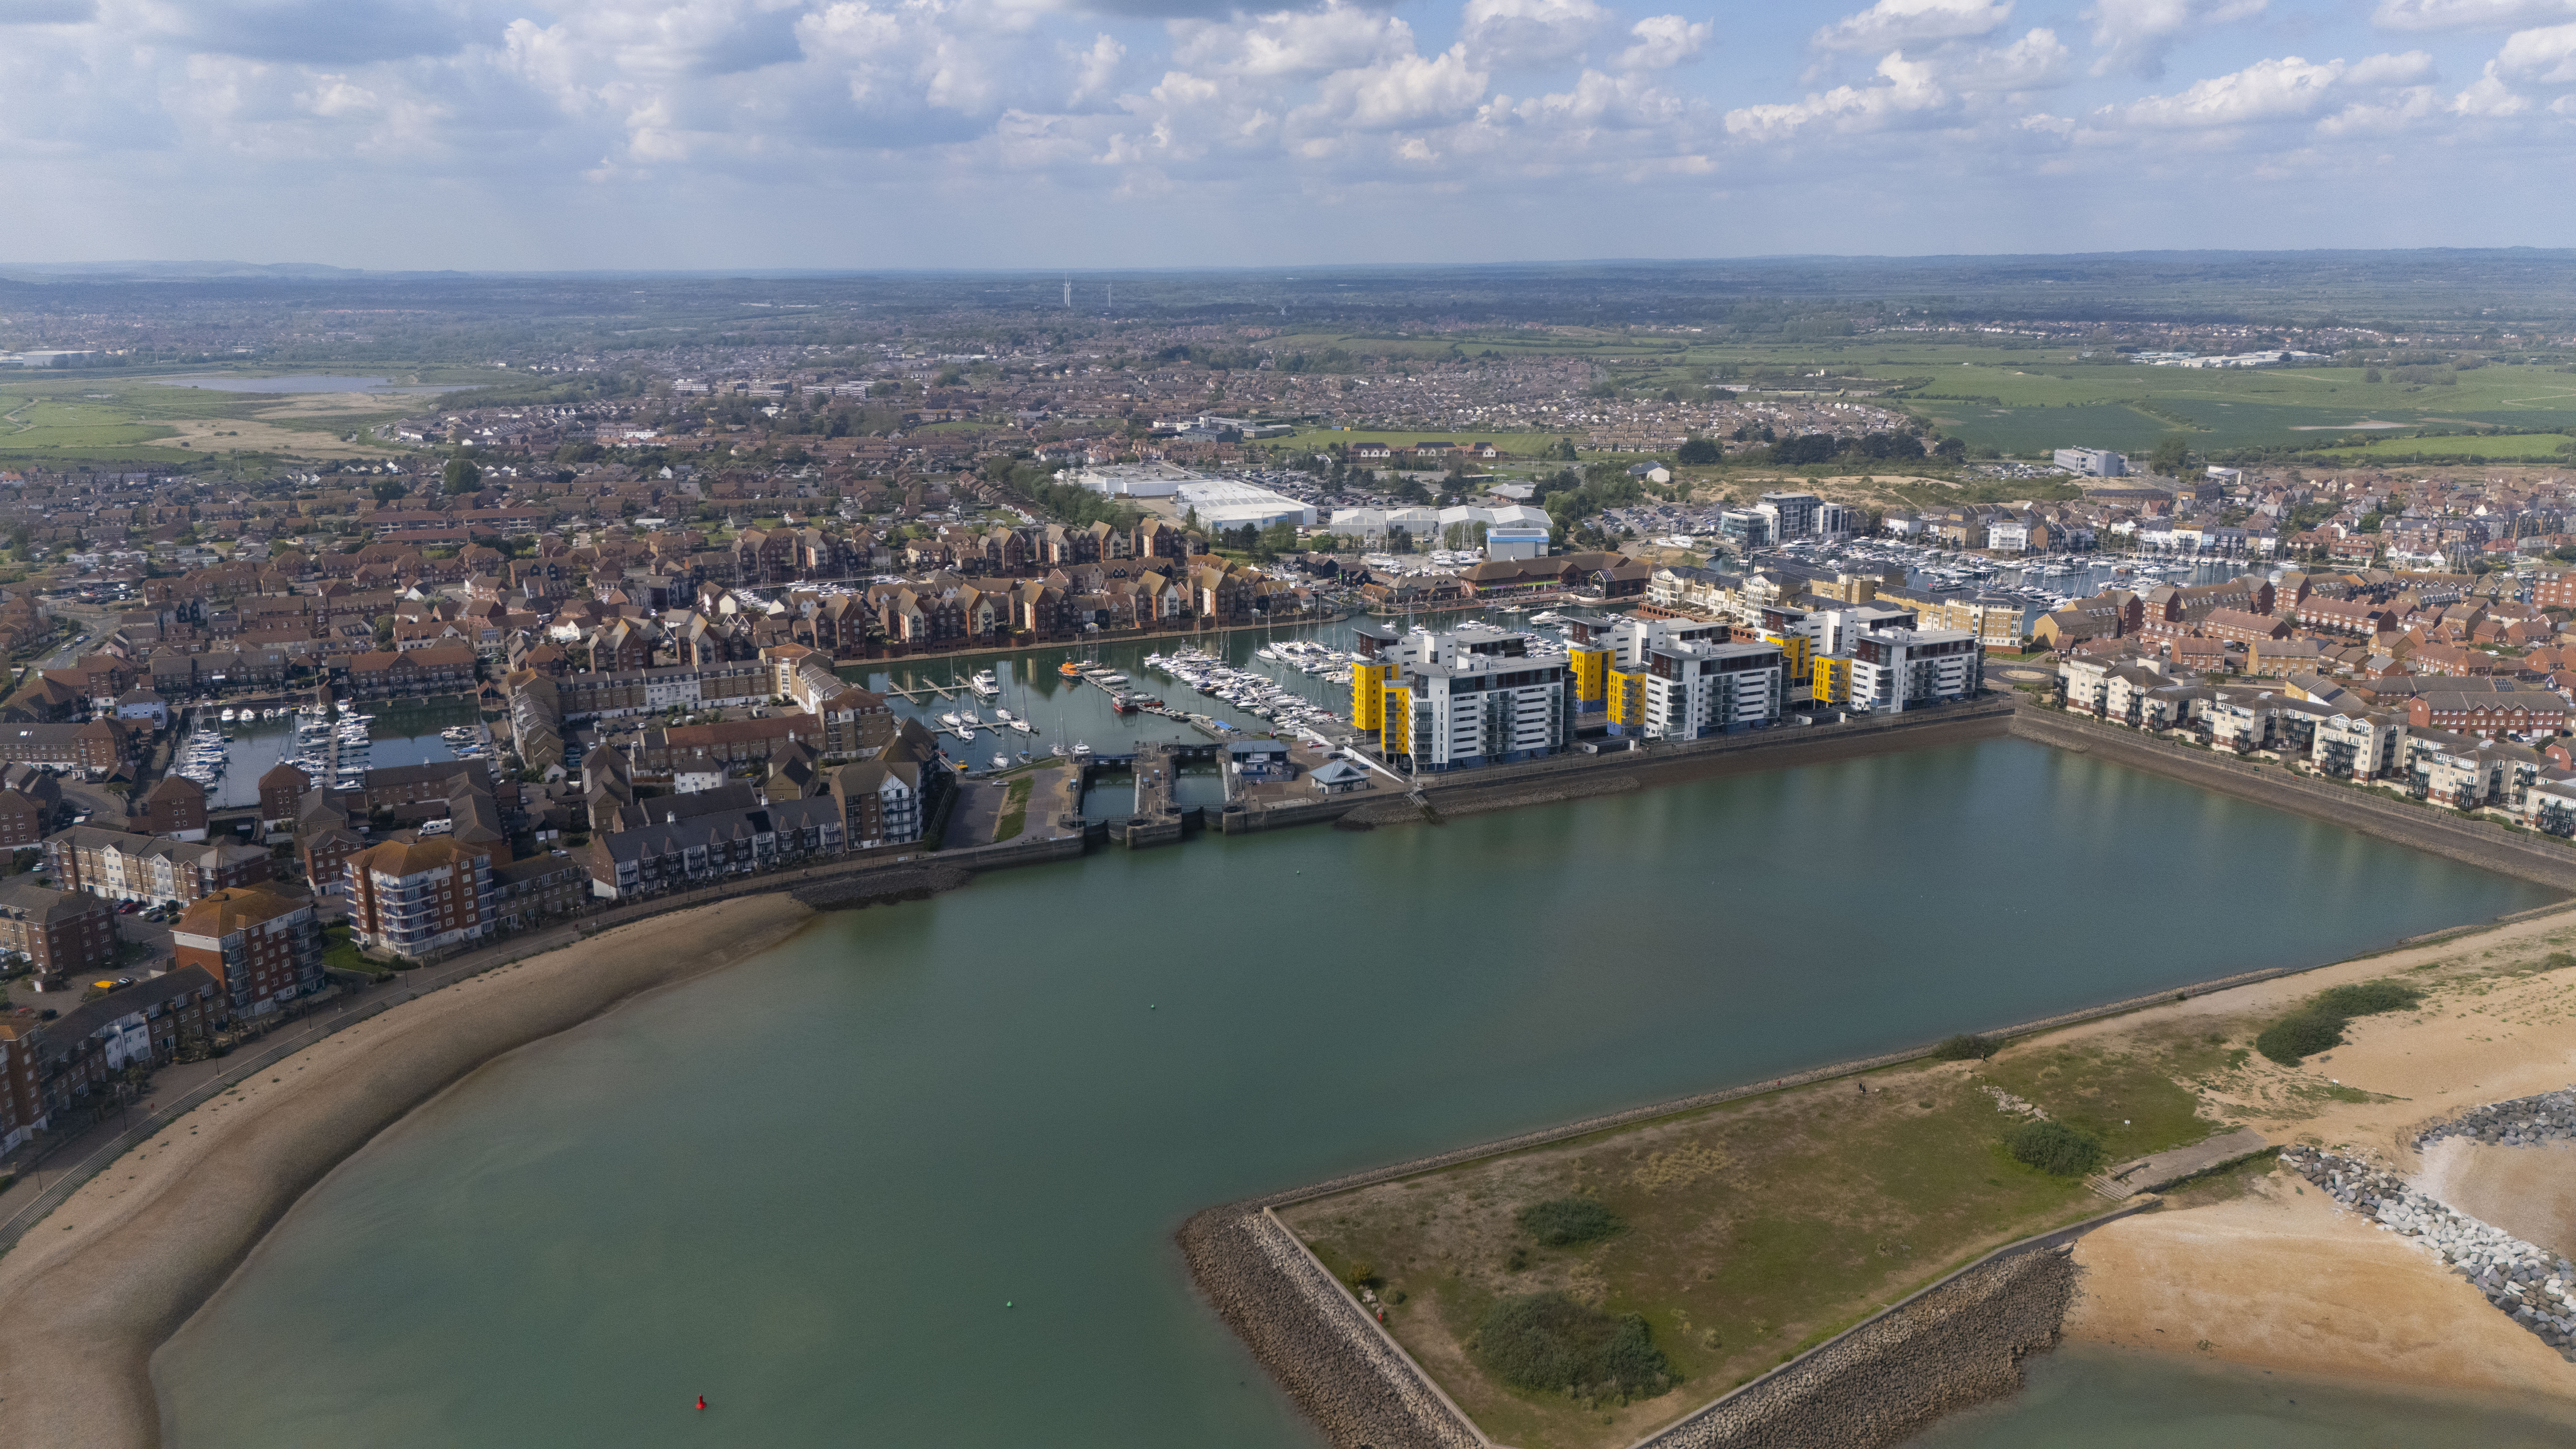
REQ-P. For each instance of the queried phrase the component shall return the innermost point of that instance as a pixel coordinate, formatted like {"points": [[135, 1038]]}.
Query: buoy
{"points": [[702, 1401], [1006, 1303]]}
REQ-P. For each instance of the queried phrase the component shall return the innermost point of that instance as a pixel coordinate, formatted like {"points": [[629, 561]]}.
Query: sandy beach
{"points": [[88, 1296], [2280, 1278]]}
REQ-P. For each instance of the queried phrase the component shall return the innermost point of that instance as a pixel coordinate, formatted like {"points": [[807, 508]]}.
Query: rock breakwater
{"points": [[2530, 1285], [1312, 1336], [2522, 1122], [1958, 1344]]}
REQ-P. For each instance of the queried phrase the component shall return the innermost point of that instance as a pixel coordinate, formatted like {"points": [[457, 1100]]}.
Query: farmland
{"points": [[50, 419]]}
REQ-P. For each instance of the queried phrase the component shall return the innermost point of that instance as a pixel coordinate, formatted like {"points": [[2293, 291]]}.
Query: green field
{"points": [[2514, 447]]}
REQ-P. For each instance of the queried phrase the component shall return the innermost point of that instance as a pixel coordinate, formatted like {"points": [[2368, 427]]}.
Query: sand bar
{"points": [[88, 1295]]}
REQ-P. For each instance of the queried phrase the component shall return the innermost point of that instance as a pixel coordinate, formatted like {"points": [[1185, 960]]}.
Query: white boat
{"points": [[1024, 727], [1001, 762], [984, 685], [1081, 750], [1062, 753], [949, 719], [229, 715], [1113, 678], [1004, 715]]}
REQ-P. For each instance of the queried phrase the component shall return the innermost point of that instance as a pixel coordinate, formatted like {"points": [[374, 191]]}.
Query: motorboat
{"points": [[984, 684], [1001, 762], [1081, 750]]}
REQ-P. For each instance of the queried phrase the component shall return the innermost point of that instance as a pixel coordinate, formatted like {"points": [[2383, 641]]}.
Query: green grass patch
{"points": [[1548, 1341], [2318, 1026], [2055, 1148], [1015, 811], [1564, 1221]]}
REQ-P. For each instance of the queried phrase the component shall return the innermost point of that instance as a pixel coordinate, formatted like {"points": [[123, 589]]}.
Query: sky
{"points": [[1105, 134]]}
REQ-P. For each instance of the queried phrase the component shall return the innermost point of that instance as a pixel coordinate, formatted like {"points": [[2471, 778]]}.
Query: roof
{"points": [[231, 911]]}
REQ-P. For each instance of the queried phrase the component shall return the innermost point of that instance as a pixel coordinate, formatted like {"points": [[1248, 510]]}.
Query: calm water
{"points": [[808, 1187], [259, 744], [2109, 1400]]}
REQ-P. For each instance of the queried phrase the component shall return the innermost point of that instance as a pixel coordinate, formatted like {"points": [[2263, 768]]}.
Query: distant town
{"points": [[648, 670]]}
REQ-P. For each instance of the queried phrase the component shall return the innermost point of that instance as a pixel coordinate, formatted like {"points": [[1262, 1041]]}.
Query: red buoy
{"points": [[702, 1401]]}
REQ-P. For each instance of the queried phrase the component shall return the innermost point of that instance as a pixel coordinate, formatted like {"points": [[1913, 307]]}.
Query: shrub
{"points": [[1549, 1341], [2303, 1035], [2366, 998], [1360, 1275], [1963, 1048], [2055, 1148], [1562, 1221]]}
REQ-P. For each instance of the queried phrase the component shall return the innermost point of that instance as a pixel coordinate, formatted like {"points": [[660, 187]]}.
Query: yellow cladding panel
{"points": [[1395, 736], [1795, 646], [1831, 682], [1627, 696], [1591, 674], [1368, 695]]}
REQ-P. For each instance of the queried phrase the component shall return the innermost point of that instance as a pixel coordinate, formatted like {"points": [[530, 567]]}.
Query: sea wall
{"points": [[1576, 775], [1959, 1343], [2482, 843], [1312, 1336]]}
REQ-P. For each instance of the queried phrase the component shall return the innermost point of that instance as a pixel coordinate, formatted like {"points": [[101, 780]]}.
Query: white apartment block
{"points": [[1697, 689], [1894, 670], [2359, 745]]}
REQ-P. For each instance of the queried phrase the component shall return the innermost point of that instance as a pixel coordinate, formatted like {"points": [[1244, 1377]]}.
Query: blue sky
{"points": [[1144, 133]]}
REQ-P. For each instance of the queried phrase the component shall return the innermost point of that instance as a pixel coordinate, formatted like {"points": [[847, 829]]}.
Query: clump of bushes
{"points": [[1561, 1222], [2319, 1025], [2367, 998], [2303, 1034], [2055, 1148], [1963, 1048], [1548, 1341]]}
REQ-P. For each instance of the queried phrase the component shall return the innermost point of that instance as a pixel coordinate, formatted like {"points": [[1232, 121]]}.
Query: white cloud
{"points": [[1095, 70], [2268, 90], [1910, 93], [1530, 32], [2468, 14], [2037, 61], [1896, 24], [1292, 42], [2136, 35], [2488, 96], [1664, 41], [1403, 91], [2288, 88], [2547, 56]]}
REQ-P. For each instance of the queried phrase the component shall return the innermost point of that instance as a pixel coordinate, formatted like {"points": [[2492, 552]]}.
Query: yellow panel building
{"points": [[1368, 695], [1627, 700], [1830, 683], [1395, 728], [1591, 672]]}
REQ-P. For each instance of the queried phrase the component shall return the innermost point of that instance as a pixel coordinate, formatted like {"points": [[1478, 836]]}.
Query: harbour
{"points": [[823, 1090]]}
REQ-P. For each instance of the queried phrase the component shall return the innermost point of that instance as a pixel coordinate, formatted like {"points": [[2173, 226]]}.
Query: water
{"points": [[806, 1187], [257, 746], [299, 383], [1073, 711], [2106, 1399]]}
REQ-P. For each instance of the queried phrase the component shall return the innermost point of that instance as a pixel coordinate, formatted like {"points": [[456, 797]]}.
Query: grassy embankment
{"points": [[1015, 811], [1749, 1231]]}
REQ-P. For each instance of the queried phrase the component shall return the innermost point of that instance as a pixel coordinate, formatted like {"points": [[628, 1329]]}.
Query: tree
{"points": [[389, 489], [463, 477], [2172, 454], [1698, 453]]}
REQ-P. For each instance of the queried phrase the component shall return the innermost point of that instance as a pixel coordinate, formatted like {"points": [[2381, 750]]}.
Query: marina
{"points": [[335, 747]]}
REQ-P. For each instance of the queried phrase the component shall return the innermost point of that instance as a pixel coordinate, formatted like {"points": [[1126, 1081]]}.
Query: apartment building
{"points": [[1698, 688], [881, 803], [1894, 670], [1474, 697], [678, 851], [63, 933], [2357, 744], [412, 898], [126, 867], [263, 949]]}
